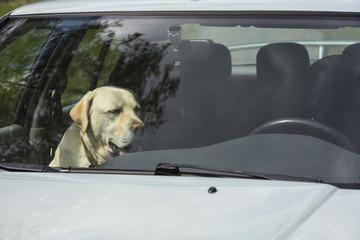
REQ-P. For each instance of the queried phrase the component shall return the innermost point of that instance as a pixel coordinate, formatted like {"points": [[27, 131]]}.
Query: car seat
{"points": [[335, 96], [282, 70], [189, 117]]}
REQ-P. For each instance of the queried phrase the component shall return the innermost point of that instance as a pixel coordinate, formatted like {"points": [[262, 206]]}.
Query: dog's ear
{"points": [[81, 111]]}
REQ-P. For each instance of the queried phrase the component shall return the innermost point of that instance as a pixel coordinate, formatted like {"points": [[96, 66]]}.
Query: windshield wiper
{"points": [[174, 170], [21, 167], [161, 169]]}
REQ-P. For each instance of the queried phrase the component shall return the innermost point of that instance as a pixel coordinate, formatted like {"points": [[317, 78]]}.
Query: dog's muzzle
{"points": [[115, 149]]}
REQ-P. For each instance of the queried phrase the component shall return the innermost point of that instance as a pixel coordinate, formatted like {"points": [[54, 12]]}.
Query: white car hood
{"points": [[90, 206]]}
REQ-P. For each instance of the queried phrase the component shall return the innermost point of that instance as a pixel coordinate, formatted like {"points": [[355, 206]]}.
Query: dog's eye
{"points": [[137, 110], [115, 111]]}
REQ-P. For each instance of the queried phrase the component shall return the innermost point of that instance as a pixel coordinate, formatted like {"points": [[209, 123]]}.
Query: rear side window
{"points": [[244, 42]]}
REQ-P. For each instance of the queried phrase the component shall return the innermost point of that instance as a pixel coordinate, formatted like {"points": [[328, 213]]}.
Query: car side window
{"points": [[16, 62]]}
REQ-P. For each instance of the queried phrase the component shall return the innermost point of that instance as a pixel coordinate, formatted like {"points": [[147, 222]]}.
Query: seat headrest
{"points": [[327, 63], [352, 53], [325, 72], [206, 58], [279, 61], [197, 49]]}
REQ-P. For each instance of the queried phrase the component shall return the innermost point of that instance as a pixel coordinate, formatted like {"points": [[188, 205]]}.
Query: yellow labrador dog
{"points": [[104, 122]]}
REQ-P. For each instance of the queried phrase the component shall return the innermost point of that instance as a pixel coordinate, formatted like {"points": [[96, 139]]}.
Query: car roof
{"points": [[111, 6]]}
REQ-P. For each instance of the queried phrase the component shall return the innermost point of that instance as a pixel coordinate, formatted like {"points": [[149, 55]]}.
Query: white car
{"points": [[249, 125]]}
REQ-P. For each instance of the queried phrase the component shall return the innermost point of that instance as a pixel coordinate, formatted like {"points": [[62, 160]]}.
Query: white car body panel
{"points": [[108, 206], [89, 6], [90, 206]]}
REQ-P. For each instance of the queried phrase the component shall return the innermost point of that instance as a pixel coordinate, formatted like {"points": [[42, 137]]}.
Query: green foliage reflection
{"points": [[16, 61]]}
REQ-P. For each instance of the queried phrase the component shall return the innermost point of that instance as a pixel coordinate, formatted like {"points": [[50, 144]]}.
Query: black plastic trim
{"points": [[21, 167], [193, 13], [4, 18]]}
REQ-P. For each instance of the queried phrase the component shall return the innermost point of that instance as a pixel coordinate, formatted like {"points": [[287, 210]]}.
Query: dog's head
{"points": [[109, 116]]}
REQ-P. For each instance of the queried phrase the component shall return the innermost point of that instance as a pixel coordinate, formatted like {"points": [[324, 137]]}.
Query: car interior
{"points": [[191, 93]]}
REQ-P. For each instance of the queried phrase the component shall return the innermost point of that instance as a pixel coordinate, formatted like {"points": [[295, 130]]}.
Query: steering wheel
{"points": [[305, 127]]}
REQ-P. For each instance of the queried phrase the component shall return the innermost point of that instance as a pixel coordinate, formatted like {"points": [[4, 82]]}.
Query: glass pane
{"points": [[264, 94]]}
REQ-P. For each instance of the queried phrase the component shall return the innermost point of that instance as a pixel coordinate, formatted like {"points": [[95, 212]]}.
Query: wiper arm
{"points": [[174, 169], [21, 167]]}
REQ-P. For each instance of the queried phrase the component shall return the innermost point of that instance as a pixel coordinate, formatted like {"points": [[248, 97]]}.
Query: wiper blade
{"points": [[174, 169], [21, 167], [105, 171]]}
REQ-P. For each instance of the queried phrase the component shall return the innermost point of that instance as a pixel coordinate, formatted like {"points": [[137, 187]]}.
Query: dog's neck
{"points": [[93, 162], [93, 149]]}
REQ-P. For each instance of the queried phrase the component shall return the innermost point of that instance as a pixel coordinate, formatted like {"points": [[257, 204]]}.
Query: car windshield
{"points": [[272, 94]]}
